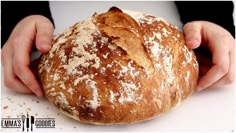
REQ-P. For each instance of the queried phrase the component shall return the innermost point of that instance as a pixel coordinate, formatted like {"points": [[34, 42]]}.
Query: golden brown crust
{"points": [[118, 67]]}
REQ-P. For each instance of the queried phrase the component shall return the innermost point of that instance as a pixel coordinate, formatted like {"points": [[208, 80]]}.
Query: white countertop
{"points": [[209, 110]]}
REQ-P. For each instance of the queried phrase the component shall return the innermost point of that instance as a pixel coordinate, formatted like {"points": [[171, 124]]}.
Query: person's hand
{"points": [[217, 70], [32, 30]]}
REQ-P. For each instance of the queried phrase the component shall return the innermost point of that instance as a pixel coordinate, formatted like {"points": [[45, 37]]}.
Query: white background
{"points": [[209, 110]]}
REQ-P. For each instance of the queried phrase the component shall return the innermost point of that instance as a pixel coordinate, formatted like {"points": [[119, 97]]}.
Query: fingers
{"points": [[213, 75], [229, 77], [10, 79], [221, 46], [192, 32], [220, 61], [44, 35], [21, 57]]}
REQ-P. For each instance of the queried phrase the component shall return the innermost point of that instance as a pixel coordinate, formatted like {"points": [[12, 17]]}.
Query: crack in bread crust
{"points": [[125, 32]]}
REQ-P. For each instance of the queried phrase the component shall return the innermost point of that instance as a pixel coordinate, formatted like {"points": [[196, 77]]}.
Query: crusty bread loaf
{"points": [[118, 67]]}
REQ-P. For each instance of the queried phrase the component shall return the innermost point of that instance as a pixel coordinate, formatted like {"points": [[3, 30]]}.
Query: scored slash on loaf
{"points": [[118, 67]]}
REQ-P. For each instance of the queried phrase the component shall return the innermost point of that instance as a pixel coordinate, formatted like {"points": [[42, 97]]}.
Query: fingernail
{"points": [[45, 47], [193, 43], [199, 88], [39, 93]]}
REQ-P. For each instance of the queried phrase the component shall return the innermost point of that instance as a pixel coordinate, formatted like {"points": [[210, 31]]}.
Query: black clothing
{"points": [[13, 11], [219, 12]]}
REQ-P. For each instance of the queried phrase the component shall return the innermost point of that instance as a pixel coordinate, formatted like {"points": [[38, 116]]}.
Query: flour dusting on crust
{"points": [[118, 67]]}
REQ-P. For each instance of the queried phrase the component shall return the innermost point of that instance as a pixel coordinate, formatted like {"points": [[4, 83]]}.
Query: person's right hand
{"points": [[32, 30], [216, 66]]}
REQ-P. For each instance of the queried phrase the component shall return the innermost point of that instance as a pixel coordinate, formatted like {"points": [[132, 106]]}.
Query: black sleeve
{"points": [[218, 12], [13, 11]]}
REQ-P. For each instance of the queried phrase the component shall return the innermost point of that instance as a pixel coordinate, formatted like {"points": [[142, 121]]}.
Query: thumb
{"points": [[192, 32], [44, 33]]}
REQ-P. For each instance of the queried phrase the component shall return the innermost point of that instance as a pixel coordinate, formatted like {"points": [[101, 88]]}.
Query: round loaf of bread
{"points": [[118, 67]]}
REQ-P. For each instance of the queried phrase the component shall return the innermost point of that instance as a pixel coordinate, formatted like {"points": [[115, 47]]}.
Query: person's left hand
{"points": [[218, 70]]}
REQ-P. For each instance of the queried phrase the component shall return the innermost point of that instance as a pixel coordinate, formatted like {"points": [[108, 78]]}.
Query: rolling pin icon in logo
{"points": [[29, 122], [32, 122]]}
